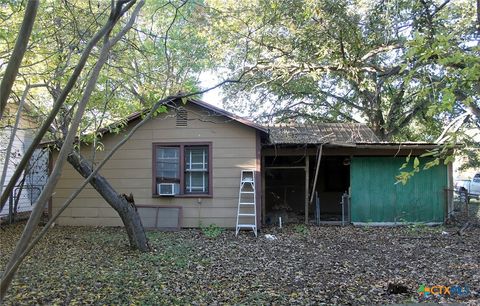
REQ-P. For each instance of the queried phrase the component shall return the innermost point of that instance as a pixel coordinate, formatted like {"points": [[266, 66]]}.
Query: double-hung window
{"points": [[182, 169], [167, 169], [196, 169]]}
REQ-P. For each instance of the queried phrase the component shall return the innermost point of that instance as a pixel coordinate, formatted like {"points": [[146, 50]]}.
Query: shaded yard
{"points": [[331, 265]]}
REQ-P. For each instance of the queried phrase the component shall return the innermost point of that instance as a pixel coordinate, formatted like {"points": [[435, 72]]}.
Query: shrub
{"points": [[301, 229], [212, 231]]}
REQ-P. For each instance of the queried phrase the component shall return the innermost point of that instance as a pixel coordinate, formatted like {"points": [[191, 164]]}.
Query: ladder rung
{"points": [[246, 225], [248, 192], [246, 215], [246, 203]]}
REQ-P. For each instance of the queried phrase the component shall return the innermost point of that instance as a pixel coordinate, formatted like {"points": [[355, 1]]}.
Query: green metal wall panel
{"points": [[376, 198]]}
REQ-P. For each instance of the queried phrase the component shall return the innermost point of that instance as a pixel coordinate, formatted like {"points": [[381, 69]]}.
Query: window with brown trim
{"points": [[182, 169]]}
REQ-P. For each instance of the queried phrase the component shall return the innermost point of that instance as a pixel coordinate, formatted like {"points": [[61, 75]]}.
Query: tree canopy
{"points": [[161, 55], [404, 67]]}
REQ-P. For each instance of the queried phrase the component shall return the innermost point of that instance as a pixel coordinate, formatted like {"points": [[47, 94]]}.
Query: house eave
{"points": [[370, 146]]}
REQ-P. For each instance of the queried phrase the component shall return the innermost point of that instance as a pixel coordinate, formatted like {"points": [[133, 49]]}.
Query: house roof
{"points": [[136, 115], [357, 135], [212, 108], [230, 115], [334, 133]]}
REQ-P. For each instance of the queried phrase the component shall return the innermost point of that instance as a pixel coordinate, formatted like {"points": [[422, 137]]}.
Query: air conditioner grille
{"points": [[168, 189]]}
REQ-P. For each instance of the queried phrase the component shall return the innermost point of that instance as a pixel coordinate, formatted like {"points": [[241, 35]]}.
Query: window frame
{"points": [[182, 165]]}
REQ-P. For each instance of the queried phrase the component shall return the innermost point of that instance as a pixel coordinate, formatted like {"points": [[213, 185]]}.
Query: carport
{"points": [[308, 170], [306, 165]]}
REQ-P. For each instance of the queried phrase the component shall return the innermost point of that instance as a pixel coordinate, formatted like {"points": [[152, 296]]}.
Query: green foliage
{"points": [[402, 66], [448, 47], [430, 159], [301, 229], [404, 176], [443, 153], [422, 229], [331, 61], [148, 64], [212, 231], [472, 158], [417, 227], [162, 109]]}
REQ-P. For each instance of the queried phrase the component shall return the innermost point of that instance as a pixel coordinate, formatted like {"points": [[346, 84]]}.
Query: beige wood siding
{"points": [[130, 170]]}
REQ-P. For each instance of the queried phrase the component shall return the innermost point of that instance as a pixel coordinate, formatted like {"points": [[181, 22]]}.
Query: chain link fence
{"points": [[20, 202], [26, 192], [466, 207]]}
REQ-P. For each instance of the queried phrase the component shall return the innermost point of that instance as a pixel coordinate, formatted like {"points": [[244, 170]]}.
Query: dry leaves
{"points": [[330, 265]]}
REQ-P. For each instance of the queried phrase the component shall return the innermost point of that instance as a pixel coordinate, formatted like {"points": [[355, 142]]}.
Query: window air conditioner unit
{"points": [[167, 189]]}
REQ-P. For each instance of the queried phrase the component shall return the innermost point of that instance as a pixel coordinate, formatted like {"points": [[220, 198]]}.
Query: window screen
{"points": [[196, 169], [168, 164]]}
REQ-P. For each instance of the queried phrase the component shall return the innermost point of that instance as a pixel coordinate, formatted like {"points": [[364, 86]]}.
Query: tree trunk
{"points": [[118, 10], [123, 205], [17, 54]]}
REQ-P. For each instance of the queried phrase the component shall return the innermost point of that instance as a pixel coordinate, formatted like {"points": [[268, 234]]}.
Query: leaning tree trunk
{"points": [[123, 205]]}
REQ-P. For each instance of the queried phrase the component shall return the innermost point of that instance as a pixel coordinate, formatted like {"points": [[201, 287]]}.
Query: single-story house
{"points": [[183, 168]]}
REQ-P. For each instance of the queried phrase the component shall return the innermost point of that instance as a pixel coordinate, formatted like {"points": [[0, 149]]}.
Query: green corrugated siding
{"points": [[376, 198]]}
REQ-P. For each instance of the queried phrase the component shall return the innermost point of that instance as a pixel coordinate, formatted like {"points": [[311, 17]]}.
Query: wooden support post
{"points": [[307, 168], [264, 210], [319, 159], [450, 187]]}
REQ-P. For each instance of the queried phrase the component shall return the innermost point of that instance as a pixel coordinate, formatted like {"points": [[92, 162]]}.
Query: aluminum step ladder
{"points": [[247, 206]]}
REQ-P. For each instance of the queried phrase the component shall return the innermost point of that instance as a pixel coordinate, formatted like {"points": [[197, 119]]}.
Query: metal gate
{"points": [[26, 192]]}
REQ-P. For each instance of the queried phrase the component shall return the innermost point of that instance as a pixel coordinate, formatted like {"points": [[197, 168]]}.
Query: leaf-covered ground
{"points": [[331, 265]]}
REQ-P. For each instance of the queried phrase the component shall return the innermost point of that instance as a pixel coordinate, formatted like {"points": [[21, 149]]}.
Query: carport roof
{"points": [[318, 133]]}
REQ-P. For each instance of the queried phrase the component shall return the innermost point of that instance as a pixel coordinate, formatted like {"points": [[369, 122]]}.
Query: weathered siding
{"points": [[130, 170], [35, 179], [375, 196]]}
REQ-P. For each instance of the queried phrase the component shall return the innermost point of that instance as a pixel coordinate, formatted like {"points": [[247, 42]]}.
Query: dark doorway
{"points": [[333, 181], [284, 189]]}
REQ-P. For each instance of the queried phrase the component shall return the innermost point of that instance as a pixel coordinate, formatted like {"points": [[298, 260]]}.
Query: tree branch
{"points": [[56, 107], [64, 151], [17, 53]]}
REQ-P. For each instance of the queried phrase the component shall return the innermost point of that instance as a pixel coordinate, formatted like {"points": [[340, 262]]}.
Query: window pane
{"points": [[196, 169], [168, 161], [167, 152], [196, 182], [196, 158]]}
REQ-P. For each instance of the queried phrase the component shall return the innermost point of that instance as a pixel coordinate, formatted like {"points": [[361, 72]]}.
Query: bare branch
{"points": [[456, 123]]}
